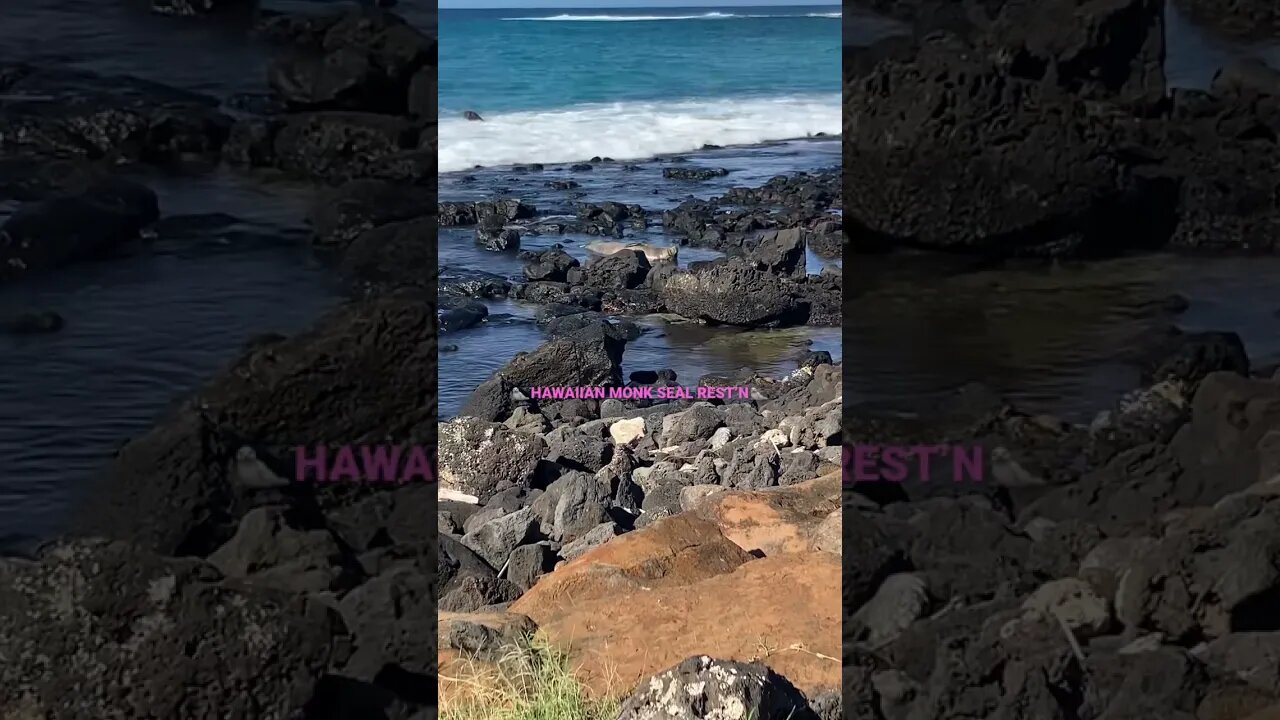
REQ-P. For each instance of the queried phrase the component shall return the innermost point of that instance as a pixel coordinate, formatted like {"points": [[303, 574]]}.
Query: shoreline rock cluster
{"points": [[762, 281], [667, 518], [353, 98], [1098, 558]]}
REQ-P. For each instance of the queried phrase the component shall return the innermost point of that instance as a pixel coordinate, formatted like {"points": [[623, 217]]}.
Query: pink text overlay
{"points": [[364, 463], [894, 463], [674, 392]]}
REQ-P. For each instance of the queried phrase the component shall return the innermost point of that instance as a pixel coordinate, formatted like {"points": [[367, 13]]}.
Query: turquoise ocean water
{"points": [[566, 85]]}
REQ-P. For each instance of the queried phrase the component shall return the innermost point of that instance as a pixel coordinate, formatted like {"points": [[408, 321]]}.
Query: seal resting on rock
{"points": [[472, 115], [652, 252]]}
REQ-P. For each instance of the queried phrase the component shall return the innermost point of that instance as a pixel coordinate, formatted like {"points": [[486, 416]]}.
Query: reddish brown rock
{"points": [[647, 600], [777, 520]]}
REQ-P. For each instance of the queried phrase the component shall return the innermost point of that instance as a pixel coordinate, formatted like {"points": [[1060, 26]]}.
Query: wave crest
{"points": [[631, 131]]}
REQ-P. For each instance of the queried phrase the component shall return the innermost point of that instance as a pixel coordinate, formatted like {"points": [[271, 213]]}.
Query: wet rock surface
{"points": [[54, 112], [766, 230]]}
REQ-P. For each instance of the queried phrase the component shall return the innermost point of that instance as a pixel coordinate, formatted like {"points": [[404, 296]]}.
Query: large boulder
{"points": [[792, 519], [781, 252], [552, 265], [267, 550], [591, 355], [1217, 575], [701, 687], [481, 459], [497, 238], [675, 589], [623, 270], [495, 539], [392, 618], [732, 294], [1111, 50], [402, 254], [1226, 200], [1188, 358], [930, 163], [456, 561], [364, 375]]}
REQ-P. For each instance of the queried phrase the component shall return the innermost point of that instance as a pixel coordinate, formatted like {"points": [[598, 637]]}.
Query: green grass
{"points": [[532, 681]]}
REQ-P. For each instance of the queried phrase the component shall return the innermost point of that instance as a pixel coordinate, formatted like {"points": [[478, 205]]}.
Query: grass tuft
{"points": [[532, 681]]}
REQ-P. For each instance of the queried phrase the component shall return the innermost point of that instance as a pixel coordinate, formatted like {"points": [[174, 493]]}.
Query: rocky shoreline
{"points": [[320, 600], [197, 579], [641, 508], [676, 520], [762, 280], [65, 136], [197, 545], [1124, 568]]}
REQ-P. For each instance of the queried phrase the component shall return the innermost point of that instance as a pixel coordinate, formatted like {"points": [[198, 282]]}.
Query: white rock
{"points": [[720, 438], [625, 432], [776, 437]]}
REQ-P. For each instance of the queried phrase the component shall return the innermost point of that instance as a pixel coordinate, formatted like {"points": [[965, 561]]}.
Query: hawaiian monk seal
{"points": [[652, 252]]}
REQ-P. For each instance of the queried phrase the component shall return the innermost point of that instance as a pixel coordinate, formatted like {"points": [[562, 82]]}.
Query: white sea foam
{"points": [[631, 131], [651, 18]]}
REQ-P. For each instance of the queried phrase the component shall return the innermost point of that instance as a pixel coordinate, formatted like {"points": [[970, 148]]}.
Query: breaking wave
{"points": [[631, 130]]}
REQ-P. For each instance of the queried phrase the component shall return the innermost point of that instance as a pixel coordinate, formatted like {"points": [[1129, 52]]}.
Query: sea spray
{"points": [[632, 130]]}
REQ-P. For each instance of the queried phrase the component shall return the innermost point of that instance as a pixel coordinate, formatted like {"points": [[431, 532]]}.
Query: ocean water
{"points": [[566, 85], [645, 87]]}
